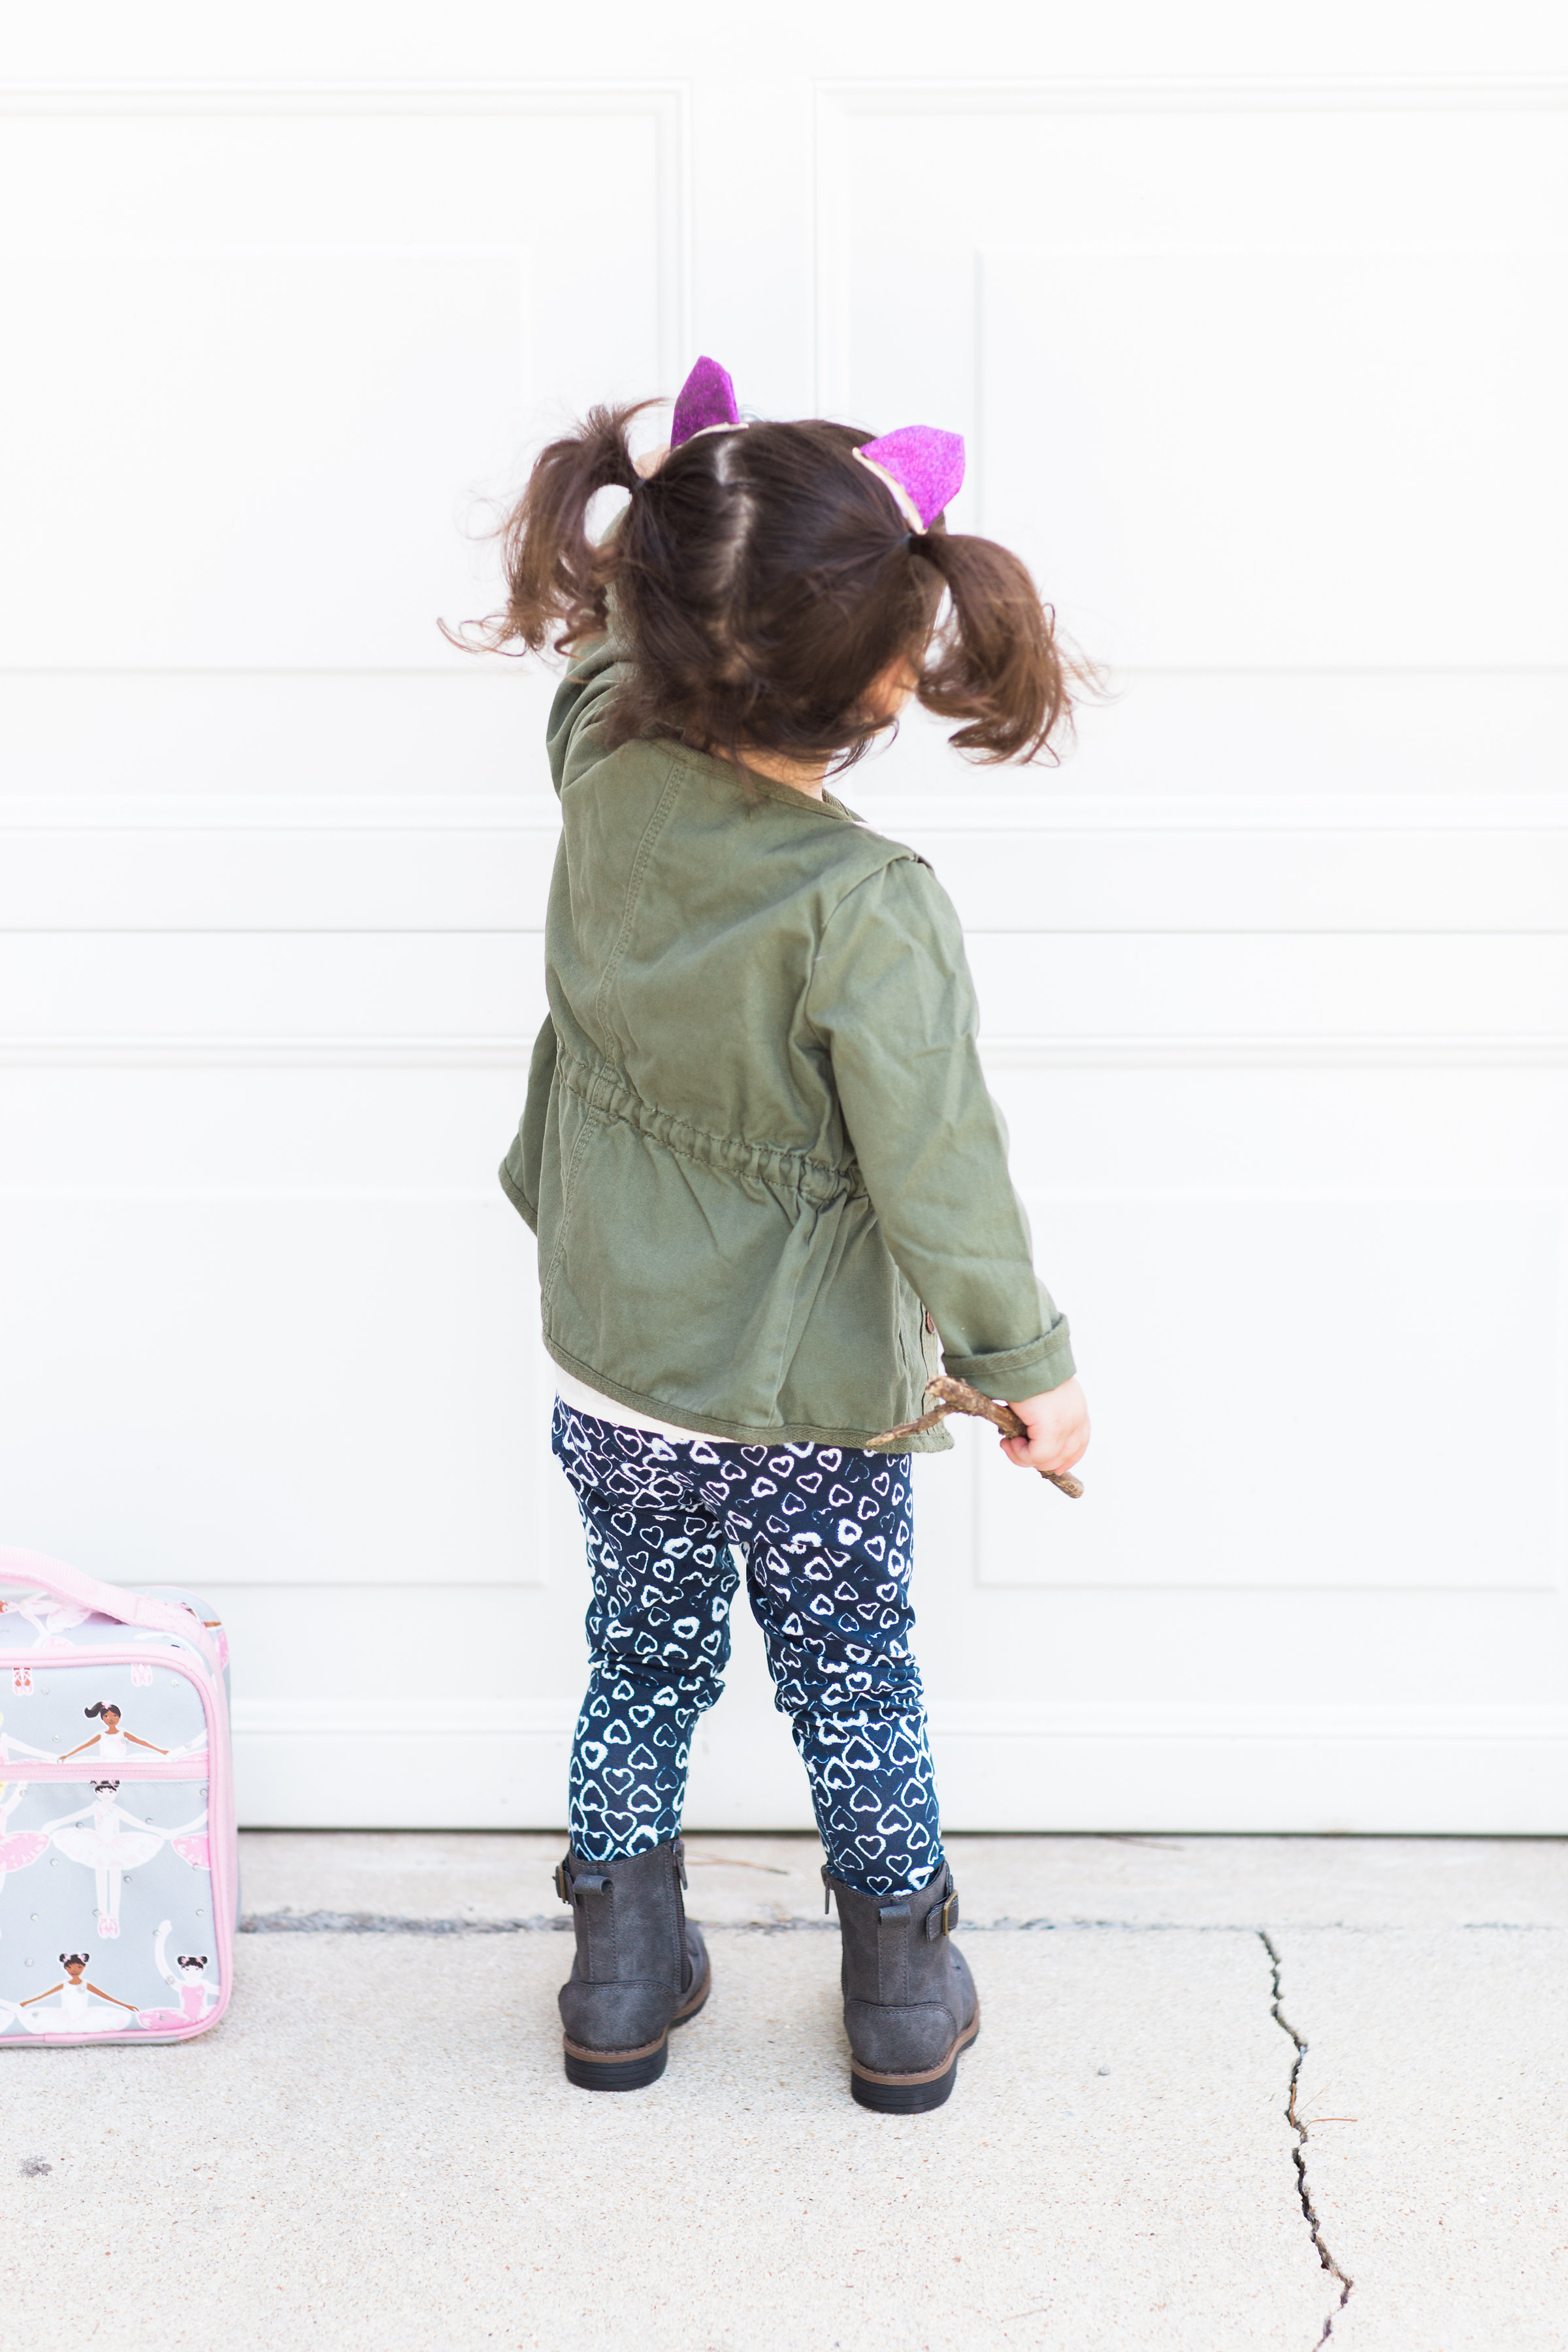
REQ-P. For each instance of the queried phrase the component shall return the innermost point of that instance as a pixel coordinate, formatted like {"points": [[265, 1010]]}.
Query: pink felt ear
{"points": [[706, 398], [925, 466]]}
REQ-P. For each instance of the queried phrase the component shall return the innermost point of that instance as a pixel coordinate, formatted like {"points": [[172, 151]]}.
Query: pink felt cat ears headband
{"points": [[922, 467]]}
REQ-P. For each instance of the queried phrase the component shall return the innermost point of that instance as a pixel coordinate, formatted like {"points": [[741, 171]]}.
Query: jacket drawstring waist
{"points": [[606, 1093]]}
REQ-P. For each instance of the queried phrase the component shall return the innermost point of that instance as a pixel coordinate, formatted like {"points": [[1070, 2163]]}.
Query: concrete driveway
{"points": [[1236, 2093]]}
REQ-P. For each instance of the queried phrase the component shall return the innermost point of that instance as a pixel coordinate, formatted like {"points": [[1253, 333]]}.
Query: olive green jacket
{"points": [[757, 1145]]}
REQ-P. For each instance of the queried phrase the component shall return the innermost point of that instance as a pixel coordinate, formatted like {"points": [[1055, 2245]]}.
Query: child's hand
{"points": [[1058, 1424]]}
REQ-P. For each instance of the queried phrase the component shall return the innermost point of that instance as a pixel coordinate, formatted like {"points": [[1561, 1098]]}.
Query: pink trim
{"points": [[36, 1572], [119, 1768], [218, 1762], [80, 2041]]}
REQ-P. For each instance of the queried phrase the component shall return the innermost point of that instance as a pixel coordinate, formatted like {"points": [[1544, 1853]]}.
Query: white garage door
{"points": [[1266, 377]]}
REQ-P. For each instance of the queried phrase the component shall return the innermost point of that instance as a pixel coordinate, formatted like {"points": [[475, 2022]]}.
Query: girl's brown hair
{"points": [[762, 580]]}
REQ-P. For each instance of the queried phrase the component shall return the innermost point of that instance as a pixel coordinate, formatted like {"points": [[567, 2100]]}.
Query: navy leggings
{"points": [[825, 1532]]}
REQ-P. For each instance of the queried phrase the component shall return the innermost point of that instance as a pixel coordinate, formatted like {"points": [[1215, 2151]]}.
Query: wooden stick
{"points": [[957, 1396]]}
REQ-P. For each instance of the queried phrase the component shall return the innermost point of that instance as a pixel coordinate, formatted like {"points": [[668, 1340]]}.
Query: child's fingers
{"points": [[1037, 1454]]}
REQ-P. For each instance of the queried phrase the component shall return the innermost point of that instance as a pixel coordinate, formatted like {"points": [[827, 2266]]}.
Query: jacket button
{"points": [[931, 1321]]}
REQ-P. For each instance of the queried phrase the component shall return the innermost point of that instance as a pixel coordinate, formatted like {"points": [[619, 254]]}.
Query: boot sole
{"points": [[913, 2094], [631, 2070]]}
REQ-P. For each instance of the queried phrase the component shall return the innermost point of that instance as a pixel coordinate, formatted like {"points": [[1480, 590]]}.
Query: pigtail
{"points": [[762, 585], [557, 576], [994, 661]]}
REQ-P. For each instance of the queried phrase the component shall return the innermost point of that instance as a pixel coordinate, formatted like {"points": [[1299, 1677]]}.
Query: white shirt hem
{"points": [[583, 1399]]}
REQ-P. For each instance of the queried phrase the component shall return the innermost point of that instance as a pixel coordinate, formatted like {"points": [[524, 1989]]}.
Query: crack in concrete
{"points": [[1299, 2153], [384, 1923]]}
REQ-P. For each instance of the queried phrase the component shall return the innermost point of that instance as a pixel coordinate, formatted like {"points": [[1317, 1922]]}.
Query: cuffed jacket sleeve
{"points": [[520, 1168], [890, 998]]}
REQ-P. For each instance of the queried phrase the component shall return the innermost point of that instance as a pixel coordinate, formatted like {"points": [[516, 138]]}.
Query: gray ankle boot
{"points": [[639, 1968], [909, 2002]]}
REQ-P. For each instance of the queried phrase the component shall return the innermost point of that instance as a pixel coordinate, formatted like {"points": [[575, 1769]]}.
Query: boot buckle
{"points": [[563, 1884], [942, 1919]]}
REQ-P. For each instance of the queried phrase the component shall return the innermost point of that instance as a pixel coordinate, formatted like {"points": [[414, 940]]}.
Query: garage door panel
{"points": [[1282, 988], [298, 1392], [253, 991], [329, 334], [1343, 1394], [1263, 377]]}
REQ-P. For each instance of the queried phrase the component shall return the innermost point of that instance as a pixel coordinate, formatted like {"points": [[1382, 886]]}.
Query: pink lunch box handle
{"points": [[39, 1573]]}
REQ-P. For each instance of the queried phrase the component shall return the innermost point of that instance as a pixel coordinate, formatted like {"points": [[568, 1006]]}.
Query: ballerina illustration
{"points": [[17, 1847], [194, 1994], [83, 2007], [190, 1841], [10, 1746], [50, 1618], [212, 1625], [110, 1741], [113, 1843]]}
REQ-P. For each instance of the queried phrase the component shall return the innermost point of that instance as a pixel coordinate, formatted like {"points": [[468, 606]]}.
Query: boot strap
{"points": [[585, 1883], [942, 1919]]}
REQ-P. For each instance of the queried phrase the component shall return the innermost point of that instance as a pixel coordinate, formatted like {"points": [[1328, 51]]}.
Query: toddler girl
{"points": [[770, 1188]]}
